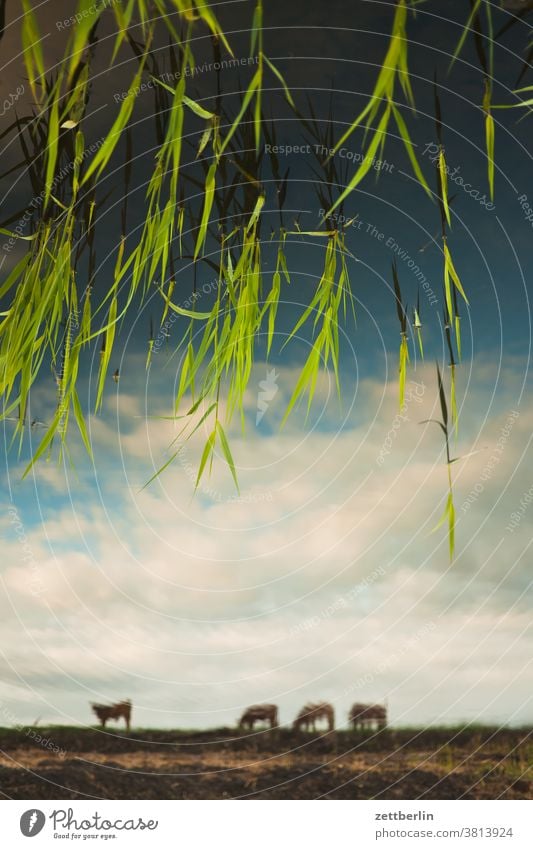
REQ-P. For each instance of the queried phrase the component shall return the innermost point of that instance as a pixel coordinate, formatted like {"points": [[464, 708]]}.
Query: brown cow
{"points": [[310, 713], [259, 713], [368, 717], [120, 710]]}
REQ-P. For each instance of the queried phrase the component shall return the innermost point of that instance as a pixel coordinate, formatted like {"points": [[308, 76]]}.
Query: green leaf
{"points": [[105, 151], [402, 368], [327, 233], [52, 142], [366, 164], [182, 311], [123, 16], [207, 452], [209, 195], [453, 274], [420, 343], [197, 109], [256, 212], [105, 355], [80, 420], [451, 526], [208, 16], [257, 26], [466, 30], [227, 454], [409, 147], [175, 454], [453, 400], [29, 238], [87, 14], [307, 378], [444, 185], [489, 134], [449, 516], [162, 468], [45, 443], [204, 141], [252, 88], [282, 81], [458, 334], [442, 396], [32, 50]]}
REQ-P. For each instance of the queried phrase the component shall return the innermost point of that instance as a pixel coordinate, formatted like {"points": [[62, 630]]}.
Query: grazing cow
{"points": [[368, 717], [120, 710], [310, 713], [259, 713]]}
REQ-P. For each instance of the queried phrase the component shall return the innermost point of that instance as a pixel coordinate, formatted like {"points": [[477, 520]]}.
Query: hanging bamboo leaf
{"points": [[171, 459], [451, 525], [206, 455], [105, 151], [448, 516], [278, 74], [366, 164], [196, 108], [206, 212], [227, 453], [252, 88], [257, 28], [123, 16], [458, 334], [453, 400], [453, 274], [307, 380], [474, 11], [204, 141], [402, 368], [443, 182], [256, 212], [182, 310], [45, 443], [442, 398], [87, 14], [106, 354], [52, 145], [417, 324], [409, 147], [489, 134], [80, 421], [209, 17], [32, 50]]}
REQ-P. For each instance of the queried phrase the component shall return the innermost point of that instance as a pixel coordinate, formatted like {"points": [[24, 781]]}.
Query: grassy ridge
{"points": [[73, 738]]}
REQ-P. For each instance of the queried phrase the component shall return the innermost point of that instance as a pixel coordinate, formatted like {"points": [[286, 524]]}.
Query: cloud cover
{"points": [[321, 580]]}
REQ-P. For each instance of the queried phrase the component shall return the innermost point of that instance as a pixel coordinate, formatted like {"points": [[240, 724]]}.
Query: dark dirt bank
{"points": [[79, 763]]}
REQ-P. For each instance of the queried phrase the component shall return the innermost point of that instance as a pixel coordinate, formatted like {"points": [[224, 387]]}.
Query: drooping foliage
{"points": [[55, 310]]}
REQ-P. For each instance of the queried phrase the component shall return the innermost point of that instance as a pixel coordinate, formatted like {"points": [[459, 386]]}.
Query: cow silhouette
{"points": [[120, 710], [259, 713], [368, 717], [311, 713]]}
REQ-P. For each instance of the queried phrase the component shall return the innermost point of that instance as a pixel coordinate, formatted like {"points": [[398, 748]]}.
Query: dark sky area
{"points": [[332, 54]]}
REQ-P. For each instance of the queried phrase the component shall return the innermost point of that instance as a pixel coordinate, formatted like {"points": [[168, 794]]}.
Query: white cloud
{"points": [[194, 607]]}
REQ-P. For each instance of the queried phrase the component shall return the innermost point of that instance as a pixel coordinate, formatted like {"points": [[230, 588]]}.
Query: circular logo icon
{"points": [[32, 822]]}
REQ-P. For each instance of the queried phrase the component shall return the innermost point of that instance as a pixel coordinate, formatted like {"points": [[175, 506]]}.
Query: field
{"points": [[78, 763]]}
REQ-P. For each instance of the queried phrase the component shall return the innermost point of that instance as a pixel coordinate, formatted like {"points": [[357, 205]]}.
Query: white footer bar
{"points": [[267, 824]]}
